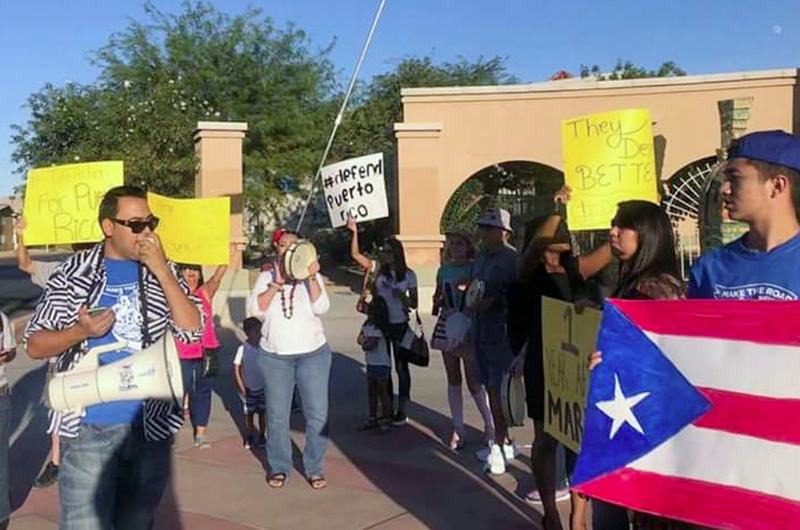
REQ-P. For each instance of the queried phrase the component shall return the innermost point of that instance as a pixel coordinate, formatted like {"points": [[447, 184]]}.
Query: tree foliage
{"points": [[628, 70], [160, 76]]}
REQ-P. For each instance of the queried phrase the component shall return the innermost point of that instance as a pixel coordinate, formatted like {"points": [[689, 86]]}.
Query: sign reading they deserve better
{"points": [[608, 158], [193, 231], [356, 188], [568, 339], [61, 202]]}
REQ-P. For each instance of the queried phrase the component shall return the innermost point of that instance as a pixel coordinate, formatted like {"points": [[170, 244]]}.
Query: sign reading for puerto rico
{"points": [[356, 188], [608, 158], [194, 231], [568, 339], [61, 202]]}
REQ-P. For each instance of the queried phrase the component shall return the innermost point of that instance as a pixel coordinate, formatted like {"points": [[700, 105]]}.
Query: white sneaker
{"points": [[496, 464], [510, 450], [535, 498]]}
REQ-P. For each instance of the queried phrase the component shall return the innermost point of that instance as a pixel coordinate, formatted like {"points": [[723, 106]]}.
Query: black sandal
{"points": [[318, 482], [370, 424], [277, 480]]}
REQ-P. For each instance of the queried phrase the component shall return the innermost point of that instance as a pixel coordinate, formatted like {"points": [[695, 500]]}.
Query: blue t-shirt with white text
{"points": [[735, 272], [121, 294]]}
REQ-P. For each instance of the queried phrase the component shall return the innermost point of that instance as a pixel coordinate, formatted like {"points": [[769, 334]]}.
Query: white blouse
{"points": [[303, 332]]}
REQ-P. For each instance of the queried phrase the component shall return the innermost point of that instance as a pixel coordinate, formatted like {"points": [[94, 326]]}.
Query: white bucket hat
{"points": [[496, 217]]}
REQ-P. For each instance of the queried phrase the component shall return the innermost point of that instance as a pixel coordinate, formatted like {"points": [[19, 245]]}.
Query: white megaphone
{"points": [[154, 373]]}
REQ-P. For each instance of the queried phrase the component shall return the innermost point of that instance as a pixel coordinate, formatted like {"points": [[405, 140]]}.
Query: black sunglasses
{"points": [[138, 226]]}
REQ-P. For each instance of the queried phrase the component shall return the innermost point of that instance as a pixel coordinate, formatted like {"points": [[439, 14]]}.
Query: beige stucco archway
{"points": [[449, 134]]}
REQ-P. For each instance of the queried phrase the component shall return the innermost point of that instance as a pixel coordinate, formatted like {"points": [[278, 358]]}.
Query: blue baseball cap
{"points": [[774, 147]]}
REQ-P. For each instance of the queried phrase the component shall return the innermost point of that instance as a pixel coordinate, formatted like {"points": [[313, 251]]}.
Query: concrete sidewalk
{"points": [[407, 479]]}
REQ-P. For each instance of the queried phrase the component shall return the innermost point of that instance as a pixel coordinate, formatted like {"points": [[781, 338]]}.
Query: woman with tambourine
{"points": [[294, 351], [393, 281], [451, 335]]}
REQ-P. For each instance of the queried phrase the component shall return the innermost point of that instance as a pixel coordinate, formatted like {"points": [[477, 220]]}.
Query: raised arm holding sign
{"points": [[608, 158], [355, 188]]}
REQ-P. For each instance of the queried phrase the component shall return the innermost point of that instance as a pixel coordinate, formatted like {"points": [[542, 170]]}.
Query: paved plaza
{"points": [[407, 479]]}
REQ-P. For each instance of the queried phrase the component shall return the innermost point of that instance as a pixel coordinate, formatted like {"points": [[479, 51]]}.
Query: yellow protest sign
{"points": [[568, 339], [608, 158], [195, 231], [61, 202]]}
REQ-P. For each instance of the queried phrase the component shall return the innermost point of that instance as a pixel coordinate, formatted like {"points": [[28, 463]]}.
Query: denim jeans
{"points": [[112, 478], [5, 479], [311, 373], [199, 390]]}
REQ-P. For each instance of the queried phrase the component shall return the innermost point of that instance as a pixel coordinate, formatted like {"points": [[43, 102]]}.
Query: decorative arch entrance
{"points": [[450, 134], [524, 188]]}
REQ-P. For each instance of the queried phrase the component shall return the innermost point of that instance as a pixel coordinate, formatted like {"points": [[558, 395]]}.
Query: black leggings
{"points": [[396, 334]]}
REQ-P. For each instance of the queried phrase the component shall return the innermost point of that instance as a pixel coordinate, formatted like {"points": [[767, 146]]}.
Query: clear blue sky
{"points": [[50, 40]]}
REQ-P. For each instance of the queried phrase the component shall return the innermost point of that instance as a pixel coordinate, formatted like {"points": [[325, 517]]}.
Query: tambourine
{"points": [[475, 293], [298, 259], [512, 395]]}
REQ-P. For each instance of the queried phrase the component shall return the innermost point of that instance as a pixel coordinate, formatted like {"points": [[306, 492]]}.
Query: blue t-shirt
{"points": [[122, 296], [736, 272]]}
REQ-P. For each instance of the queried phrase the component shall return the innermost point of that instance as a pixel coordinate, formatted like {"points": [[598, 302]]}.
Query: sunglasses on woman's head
{"points": [[137, 226]]}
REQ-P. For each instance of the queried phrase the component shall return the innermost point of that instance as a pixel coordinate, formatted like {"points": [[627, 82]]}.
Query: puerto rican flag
{"points": [[694, 413]]}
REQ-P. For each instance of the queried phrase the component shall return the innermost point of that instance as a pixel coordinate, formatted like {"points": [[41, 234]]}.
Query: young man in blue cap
{"points": [[762, 189]]}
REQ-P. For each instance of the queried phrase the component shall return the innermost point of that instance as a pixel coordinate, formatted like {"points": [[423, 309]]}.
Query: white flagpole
{"points": [[338, 119]]}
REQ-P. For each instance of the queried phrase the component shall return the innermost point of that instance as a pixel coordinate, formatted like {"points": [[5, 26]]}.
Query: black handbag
{"points": [[210, 366], [413, 347]]}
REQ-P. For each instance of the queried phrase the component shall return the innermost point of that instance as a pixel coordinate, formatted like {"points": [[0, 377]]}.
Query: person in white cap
{"points": [[493, 276]]}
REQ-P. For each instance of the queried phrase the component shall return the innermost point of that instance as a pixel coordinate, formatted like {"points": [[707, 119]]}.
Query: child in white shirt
{"points": [[250, 381], [373, 340]]}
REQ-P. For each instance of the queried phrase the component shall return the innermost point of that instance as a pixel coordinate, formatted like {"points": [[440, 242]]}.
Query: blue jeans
{"points": [[5, 479], [199, 390], [311, 373], [112, 478]]}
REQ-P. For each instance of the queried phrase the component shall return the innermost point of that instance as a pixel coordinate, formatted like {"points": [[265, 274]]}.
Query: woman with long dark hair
{"points": [[643, 241], [393, 281]]}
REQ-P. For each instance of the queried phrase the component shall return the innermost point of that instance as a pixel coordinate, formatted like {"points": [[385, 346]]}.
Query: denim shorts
{"points": [[379, 371]]}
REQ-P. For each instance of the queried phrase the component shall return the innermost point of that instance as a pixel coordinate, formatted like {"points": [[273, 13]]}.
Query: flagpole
{"points": [[338, 119]]}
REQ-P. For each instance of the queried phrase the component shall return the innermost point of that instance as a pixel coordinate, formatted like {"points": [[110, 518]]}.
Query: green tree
{"points": [[628, 70], [160, 76]]}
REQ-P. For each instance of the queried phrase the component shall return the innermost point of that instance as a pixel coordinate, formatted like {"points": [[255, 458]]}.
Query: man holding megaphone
{"points": [[100, 309]]}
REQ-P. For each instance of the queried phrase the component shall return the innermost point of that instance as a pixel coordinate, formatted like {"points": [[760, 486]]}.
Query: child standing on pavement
{"points": [[373, 339], [251, 384]]}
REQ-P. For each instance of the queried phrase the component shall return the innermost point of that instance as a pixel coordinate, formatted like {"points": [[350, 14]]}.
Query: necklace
{"points": [[290, 313]]}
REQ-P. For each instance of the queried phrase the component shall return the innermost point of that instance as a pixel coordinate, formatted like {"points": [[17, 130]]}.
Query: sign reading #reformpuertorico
{"points": [[193, 231], [568, 339], [608, 158], [355, 188], [61, 202]]}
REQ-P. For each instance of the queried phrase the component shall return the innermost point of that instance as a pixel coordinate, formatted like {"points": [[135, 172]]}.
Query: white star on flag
{"points": [[620, 409]]}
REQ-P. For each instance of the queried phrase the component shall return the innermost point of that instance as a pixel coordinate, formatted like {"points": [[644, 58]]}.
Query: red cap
{"points": [[277, 235]]}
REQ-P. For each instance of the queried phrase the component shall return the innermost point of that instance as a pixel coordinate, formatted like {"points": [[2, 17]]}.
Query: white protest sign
{"points": [[355, 188]]}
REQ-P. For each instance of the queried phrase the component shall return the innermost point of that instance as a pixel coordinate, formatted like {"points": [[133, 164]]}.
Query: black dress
{"points": [[525, 324]]}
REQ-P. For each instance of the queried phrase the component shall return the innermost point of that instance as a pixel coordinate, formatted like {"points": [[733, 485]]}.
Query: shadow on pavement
{"points": [[440, 488], [30, 445]]}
